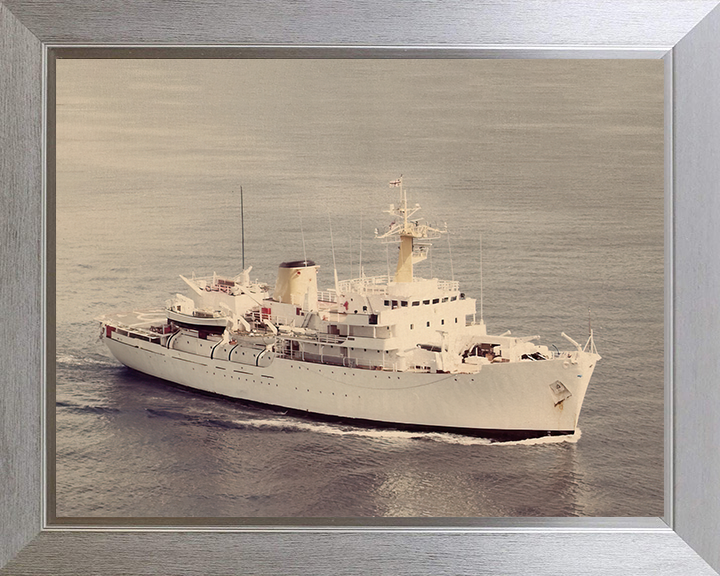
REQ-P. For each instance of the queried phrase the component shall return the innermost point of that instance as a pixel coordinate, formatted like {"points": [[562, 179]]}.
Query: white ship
{"points": [[398, 351]]}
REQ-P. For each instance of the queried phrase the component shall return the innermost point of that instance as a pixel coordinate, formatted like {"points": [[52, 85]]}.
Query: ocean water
{"points": [[555, 166]]}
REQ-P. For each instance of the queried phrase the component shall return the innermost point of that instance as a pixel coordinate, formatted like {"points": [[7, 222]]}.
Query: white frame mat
{"points": [[685, 33]]}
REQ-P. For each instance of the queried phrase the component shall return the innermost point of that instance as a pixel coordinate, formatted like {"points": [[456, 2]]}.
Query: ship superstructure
{"points": [[385, 350]]}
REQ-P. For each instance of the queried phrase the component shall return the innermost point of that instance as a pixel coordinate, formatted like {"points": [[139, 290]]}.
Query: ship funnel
{"points": [[297, 284]]}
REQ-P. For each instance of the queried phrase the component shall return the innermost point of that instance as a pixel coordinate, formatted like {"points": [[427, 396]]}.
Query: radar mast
{"points": [[405, 230]]}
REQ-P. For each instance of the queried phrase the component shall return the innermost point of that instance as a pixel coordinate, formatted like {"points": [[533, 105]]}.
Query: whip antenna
{"points": [[302, 233], [242, 226], [360, 274], [452, 270], [332, 246], [481, 280]]}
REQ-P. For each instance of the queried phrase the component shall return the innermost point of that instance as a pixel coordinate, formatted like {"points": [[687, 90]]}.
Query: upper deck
{"points": [[382, 286]]}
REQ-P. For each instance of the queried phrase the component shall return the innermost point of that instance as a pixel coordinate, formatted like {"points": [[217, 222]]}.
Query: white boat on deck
{"points": [[401, 351], [183, 315]]}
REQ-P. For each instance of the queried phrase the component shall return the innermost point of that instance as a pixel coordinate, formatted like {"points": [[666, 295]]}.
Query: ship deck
{"points": [[136, 319]]}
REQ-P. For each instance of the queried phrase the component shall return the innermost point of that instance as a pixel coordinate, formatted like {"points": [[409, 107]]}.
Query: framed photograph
{"points": [[596, 148], [556, 164]]}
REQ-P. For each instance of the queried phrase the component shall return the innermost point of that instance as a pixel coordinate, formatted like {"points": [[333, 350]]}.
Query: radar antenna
{"points": [[405, 230]]}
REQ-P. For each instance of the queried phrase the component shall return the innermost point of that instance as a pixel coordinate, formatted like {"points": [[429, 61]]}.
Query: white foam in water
{"points": [[71, 360], [569, 438], [401, 435]]}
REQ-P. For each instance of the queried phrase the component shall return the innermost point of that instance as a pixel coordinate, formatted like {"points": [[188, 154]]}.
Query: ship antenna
{"points": [[302, 233], [431, 262], [481, 280], [360, 274], [332, 246], [242, 226], [404, 201], [332, 241], [452, 270]]}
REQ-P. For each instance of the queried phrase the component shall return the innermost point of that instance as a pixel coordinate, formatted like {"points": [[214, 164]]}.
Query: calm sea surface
{"points": [[556, 164]]}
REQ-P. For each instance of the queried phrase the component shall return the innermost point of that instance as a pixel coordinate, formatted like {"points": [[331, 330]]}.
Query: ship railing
{"points": [[333, 360], [331, 338], [366, 284], [320, 337], [554, 354], [327, 296], [259, 317], [285, 321], [448, 285], [378, 285]]}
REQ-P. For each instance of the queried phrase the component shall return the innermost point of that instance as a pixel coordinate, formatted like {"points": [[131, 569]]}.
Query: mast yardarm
{"points": [[405, 229]]}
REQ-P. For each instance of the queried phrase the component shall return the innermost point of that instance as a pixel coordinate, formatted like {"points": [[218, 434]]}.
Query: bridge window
{"points": [[436, 300], [416, 303]]}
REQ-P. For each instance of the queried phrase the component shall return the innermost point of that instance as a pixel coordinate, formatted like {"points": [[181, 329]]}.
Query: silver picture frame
{"points": [[684, 33]]}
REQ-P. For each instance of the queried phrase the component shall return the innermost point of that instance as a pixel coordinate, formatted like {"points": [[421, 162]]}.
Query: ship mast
{"points": [[406, 232]]}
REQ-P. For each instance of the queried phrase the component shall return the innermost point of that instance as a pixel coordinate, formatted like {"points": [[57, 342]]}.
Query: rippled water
{"points": [[556, 164]]}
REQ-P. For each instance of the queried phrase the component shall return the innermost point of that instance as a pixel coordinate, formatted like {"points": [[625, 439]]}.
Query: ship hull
{"points": [[506, 400]]}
